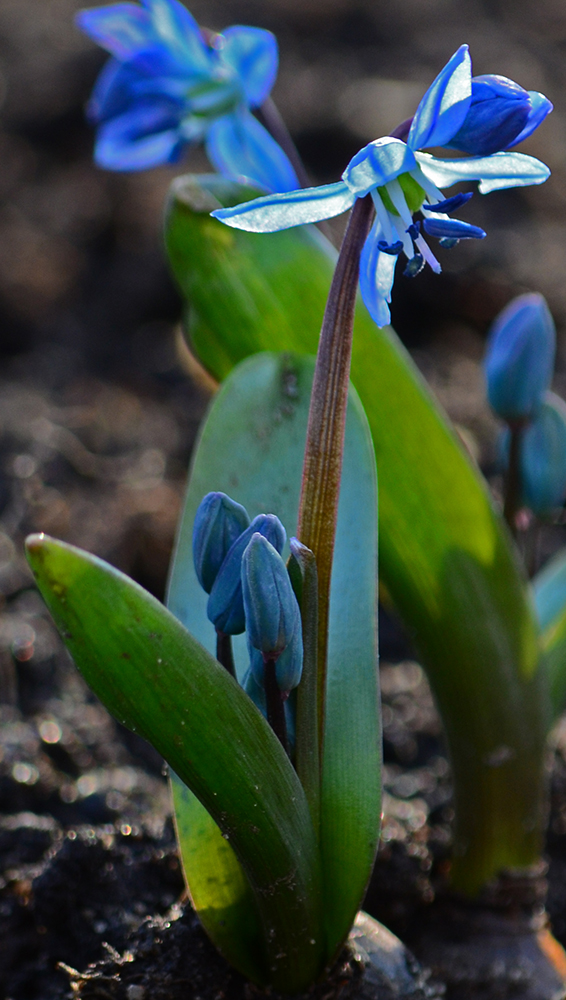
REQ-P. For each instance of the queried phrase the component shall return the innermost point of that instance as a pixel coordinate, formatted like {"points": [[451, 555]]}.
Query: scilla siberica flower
{"points": [[402, 181], [167, 85]]}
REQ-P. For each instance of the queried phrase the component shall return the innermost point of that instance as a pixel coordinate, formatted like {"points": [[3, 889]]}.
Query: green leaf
{"points": [[159, 681], [251, 447], [549, 593], [445, 556]]}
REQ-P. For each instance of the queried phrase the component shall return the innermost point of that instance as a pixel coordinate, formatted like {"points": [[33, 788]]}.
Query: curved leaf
{"points": [[445, 556], [159, 681], [251, 447], [549, 593]]}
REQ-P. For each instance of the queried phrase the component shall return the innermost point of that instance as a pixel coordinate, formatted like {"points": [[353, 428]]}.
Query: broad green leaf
{"points": [[251, 447], [159, 681], [549, 592], [445, 556]]}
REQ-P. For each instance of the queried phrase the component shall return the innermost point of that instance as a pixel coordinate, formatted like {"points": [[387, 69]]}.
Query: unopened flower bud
{"points": [[500, 115], [271, 607], [219, 521], [225, 607], [520, 357], [543, 457]]}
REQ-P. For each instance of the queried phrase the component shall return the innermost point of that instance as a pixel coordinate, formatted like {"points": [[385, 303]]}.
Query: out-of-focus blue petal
{"points": [[144, 137], [377, 271], [443, 108], [543, 457], [452, 229], [282, 211], [501, 170], [540, 108], [121, 85], [519, 359], [123, 29], [252, 54], [240, 148], [181, 35], [376, 164]]}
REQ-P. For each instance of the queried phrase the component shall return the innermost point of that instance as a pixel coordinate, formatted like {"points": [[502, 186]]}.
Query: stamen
{"points": [[392, 248], [414, 266], [383, 217], [449, 204], [395, 192], [414, 230], [403, 236], [428, 254], [453, 228], [434, 194]]}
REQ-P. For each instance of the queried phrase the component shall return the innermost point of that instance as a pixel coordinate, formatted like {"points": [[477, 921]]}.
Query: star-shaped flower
{"points": [[168, 85], [402, 181]]}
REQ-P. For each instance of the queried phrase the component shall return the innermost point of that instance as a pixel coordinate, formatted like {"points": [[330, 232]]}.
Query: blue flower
{"points": [[501, 115], [167, 85], [519, 360], [543, 457], [219, 521], [401, 181]]}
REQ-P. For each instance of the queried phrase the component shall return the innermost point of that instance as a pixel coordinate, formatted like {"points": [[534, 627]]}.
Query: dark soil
{"points": [[97, 420]]}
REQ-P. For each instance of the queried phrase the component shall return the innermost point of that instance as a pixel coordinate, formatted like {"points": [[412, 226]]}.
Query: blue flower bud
{"points": [[500, 115], [225, 607], [543, 457], [520, 357], [219, 521], [273, 619]]}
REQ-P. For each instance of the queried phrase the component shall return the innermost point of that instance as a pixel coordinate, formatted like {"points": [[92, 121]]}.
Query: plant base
{"points": [[499, 947]]}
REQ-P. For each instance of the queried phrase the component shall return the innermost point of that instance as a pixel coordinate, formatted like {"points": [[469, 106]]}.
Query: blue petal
{"points": [[147, 136], [181, 35], [123, 29], [240, 148], [453, 229], [541, 107], [501, 170], [252, 54], [121, 85], [376, 164], [283, 211], [443, 108], [377, 271]]}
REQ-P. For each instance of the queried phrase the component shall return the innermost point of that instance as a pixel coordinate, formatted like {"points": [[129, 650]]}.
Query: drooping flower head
{"points": [[402, 180], [168, 85]]}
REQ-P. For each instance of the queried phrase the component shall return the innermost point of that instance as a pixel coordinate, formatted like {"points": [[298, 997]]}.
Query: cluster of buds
{"points": [[519, 365], [238, 563]]}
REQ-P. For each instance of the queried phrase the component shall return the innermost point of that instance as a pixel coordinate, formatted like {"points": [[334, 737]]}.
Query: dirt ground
{"points": [[97, 421]]}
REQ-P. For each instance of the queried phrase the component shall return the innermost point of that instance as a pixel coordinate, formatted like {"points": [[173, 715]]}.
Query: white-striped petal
{"points": [[500, 170], [282, 211]]}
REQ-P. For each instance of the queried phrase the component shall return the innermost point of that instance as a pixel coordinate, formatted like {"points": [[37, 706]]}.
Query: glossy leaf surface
{"points": [[159, 681], [251, 447], [444, 555]]}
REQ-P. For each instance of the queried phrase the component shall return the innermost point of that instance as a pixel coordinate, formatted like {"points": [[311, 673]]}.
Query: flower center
{"points": [[414, 194]]}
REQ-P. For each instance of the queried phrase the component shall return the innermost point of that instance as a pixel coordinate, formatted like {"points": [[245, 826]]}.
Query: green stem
{"points": [[512, 499], [224, 652], [322, 469], [275, 704]]}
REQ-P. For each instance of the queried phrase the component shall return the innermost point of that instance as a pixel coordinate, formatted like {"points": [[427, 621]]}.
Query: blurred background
{"points": [[96, 415]]}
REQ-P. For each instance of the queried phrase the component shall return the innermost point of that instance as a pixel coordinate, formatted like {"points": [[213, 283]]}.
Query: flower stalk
{"points": [[320, 488], [512, 500]]}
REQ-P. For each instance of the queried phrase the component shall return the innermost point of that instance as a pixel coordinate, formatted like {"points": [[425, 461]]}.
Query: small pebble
{"points": [[135, 993]]}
